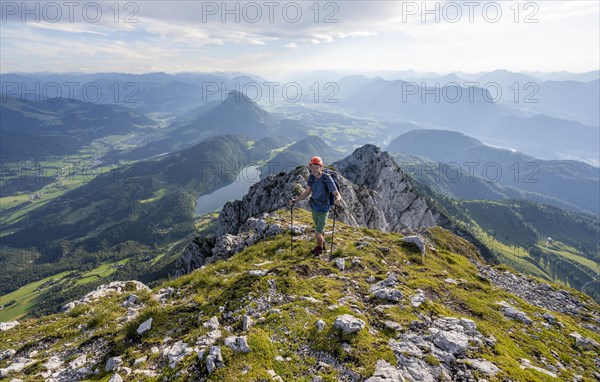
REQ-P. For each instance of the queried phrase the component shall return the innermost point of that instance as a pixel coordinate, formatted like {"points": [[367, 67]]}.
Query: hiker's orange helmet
{"points": [[316, 160]]}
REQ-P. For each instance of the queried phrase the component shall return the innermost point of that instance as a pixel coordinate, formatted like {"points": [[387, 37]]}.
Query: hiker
{"points": [[321, 185]]}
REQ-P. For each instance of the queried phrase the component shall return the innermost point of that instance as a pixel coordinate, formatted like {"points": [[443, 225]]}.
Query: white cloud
{"points": [[177, 35], [356, 34], [70, 28]]}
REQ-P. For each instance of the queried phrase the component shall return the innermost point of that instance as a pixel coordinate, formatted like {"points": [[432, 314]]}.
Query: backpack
{"points": [[335, 179]]}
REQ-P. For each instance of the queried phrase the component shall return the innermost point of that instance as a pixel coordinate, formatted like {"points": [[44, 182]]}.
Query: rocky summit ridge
{"points": [[376, 193]]}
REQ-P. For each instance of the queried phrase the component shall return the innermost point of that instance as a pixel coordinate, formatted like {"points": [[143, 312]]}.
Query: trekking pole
{"points": [[291, 225], [333, 232]]}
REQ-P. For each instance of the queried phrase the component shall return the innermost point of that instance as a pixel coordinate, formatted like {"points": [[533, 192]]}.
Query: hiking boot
{"points": [[317, 250]]}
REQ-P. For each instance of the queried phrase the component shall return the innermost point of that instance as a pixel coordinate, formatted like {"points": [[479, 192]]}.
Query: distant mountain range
{"points": [[545, 137], [237, 115], [551, 120], [449, 106], [566, 96], [146, 93], [465, 164], [34, 130], [558, 112]]}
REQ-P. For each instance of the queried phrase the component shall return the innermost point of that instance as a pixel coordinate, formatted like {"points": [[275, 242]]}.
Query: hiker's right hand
{"points": [[292, 201]]}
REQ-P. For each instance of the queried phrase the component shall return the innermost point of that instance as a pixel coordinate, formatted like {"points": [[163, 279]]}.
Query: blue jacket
{"points": [[321, 188]]}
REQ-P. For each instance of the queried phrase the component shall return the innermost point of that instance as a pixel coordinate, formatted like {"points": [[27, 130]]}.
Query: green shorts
{"points": [[320, 218]]}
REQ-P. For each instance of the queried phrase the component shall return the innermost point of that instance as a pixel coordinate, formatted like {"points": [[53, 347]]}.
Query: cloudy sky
{"points": [[272, 38]]}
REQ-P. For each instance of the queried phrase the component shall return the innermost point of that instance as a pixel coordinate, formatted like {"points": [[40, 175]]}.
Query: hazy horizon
{"points": [[386, 74]]}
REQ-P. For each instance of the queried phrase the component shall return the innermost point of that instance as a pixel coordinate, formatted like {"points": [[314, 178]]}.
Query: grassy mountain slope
{"points": [[534, 238], [18, 146], [296, 292]]}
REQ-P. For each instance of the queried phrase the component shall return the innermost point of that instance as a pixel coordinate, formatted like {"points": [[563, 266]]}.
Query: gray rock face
{"points": [[113, 363], [214, 359], [7, 353], [132, 300], [258, 272], [539, 294], [416, 240], [115, 378], [53, 363], [417, 299], [382, 197], [78, 362], [348, 324], [392, 325], [549, 317], [209, 339], [8, 325], [212, 323], [177, 352], [384, 372], [526, 364], [19, 364], [340, 264], [447, 341], [205, 251], [511, 312], [164, 294], [385, 289], [584, 343], [591, 327], [453, 342], [320, 324], [144, 326], [195, 255], [105, 289], [247, 323], [484, 366], [238, 344]]}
